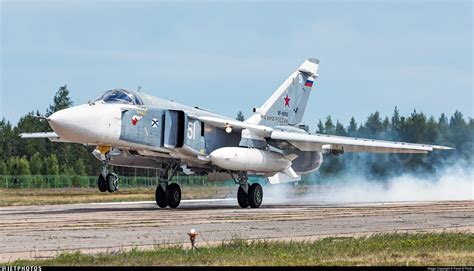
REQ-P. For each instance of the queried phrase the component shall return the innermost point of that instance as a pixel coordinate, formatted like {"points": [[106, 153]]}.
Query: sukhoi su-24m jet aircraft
{"points": [[134, 129]]}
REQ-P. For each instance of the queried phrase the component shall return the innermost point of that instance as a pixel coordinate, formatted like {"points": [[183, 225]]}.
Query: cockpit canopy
{"points": [[120, 96]]}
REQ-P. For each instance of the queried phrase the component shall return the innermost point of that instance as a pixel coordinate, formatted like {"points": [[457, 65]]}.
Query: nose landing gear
{"points": [[101, 183], [112, 182], [107, 181]]}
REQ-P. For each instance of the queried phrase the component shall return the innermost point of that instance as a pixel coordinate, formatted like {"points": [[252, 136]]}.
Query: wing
{"points": [[49, 135], [318, 142]]}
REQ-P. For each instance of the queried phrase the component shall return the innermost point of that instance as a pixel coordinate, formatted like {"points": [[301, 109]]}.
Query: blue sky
{"points": [[227, 57]]}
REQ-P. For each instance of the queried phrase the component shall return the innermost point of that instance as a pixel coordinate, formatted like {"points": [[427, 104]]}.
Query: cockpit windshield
{"points": [[119, 96]]}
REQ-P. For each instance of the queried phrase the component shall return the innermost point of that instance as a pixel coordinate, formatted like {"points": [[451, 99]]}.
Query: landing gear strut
{"points": [[168, 194], [107, 181], [248, 195]]}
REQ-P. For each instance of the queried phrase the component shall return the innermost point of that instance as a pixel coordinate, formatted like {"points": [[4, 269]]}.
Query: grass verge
{"points": [[433, 249], [45, 196]]}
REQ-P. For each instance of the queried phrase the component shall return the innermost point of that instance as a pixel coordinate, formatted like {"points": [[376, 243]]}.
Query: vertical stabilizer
{"points": [[287, 104]]}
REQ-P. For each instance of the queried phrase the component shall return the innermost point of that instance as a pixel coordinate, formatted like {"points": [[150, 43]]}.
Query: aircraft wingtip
{"points": [[443, 148]]}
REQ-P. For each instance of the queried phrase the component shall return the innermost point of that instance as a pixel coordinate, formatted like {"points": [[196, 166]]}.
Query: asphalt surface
{"points": [[43, 231]]}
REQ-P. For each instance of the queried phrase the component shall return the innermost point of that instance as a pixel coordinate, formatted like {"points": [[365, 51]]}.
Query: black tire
{"points": [[160, 197], [174, 195], [111, 182], [255, 195], [102, 184], [242, 198]]}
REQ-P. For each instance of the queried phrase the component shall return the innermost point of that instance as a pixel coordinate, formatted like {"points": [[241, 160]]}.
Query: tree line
{"points": [[454, 131], [42, 157]]}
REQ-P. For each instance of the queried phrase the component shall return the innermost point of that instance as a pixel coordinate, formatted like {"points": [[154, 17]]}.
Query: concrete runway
{"points": [[43, 231]]}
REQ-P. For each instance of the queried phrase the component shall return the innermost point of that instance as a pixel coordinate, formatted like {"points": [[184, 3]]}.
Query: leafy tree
{"points": [[240, 116], [443, 128], [51, 165], [321, 129], [7, 138], [36, 164], [18, 166], [470, 145], [329, 127], [396, 121], [12, 165], [67, 170], [352, 128], [373, 126], [61, 101], [459, 135], [431, 132], [23, 166], [340, 130], [386, 124], [79, 168], [3, 168], [415, 127], [29, 124]]}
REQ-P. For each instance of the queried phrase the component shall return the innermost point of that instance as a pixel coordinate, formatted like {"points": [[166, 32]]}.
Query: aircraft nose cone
{"points": [[82, 124], [71, 124], [60, 118]]}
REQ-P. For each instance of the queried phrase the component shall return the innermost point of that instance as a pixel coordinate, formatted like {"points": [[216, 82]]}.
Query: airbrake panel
{"points": [[174, 129]]}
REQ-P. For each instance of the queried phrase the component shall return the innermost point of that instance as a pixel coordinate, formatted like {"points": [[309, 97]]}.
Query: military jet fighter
{"points": [[134, 129]]}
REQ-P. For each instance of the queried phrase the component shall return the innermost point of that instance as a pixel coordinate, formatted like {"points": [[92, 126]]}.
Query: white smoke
{"points": [[453, 183]]}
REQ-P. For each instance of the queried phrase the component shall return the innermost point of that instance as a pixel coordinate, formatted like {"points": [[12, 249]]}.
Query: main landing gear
{"points": [[248, 195], [168, 194], [108, 181]]}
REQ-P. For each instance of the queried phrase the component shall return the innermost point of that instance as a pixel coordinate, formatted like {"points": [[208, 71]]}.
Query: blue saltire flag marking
{"points": [[155, 123]]}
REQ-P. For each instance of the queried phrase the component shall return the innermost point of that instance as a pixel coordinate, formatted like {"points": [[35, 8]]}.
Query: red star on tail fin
{"points": [[287, 100]]}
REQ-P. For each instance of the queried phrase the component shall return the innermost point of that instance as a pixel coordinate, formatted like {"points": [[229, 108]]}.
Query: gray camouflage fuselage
{"points": [[172, 131]]}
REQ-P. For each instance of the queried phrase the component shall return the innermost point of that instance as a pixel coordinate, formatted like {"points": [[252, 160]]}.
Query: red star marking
{"points": [[287, 100]]}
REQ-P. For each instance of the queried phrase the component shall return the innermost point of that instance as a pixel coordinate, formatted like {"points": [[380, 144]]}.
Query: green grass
{"points": [[46, 196], [380, 249]]}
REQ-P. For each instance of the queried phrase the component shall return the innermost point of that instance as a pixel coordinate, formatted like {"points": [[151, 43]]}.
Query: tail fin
{"points": [[287, 104]]}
